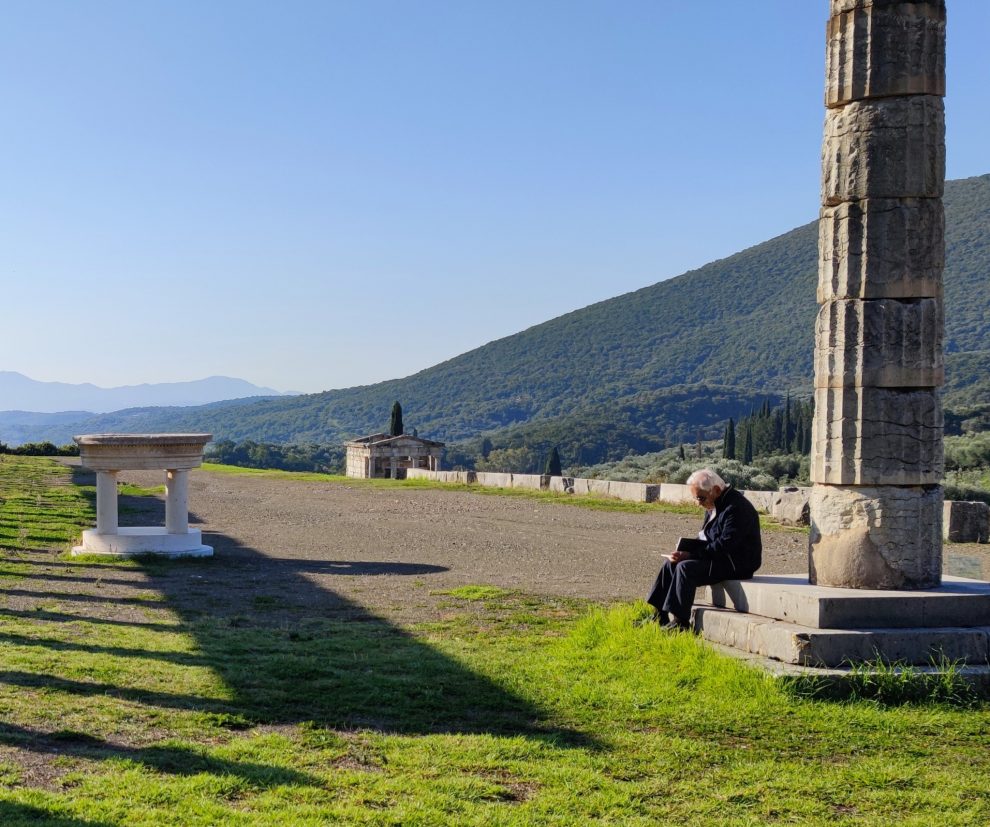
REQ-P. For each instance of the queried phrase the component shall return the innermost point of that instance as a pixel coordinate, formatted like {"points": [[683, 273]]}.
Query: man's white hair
{"points": [[706, 480]]}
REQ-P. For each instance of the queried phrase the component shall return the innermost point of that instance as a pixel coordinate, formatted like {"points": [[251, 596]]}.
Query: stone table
{"points": [[106, 454]]}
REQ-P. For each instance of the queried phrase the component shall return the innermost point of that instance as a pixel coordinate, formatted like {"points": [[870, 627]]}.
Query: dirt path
{"points": [[383, 548]]}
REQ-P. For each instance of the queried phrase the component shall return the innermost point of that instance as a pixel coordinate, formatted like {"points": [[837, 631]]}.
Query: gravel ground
{"points": [[295, 548], [384, 548]]}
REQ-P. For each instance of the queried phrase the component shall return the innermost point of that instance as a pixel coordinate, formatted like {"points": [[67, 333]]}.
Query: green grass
{"points": [[504, 709]]}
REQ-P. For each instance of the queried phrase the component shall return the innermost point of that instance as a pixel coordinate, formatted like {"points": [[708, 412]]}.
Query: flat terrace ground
{"points": [[333, 547]]}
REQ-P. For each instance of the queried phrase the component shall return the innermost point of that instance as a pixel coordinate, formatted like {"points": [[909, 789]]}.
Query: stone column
{"points": [[876, 505], [106, 502], [176, 502]]}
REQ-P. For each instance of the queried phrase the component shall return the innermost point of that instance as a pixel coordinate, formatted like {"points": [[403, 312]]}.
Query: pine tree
{"points": [[395, 425], [552, 468]]}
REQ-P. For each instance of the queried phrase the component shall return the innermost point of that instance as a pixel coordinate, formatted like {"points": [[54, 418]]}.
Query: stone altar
{"points": [[175, 454]]}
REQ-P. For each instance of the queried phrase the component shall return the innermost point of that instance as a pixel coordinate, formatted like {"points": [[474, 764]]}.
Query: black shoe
{"points": [[660, 618], [677, 626]]}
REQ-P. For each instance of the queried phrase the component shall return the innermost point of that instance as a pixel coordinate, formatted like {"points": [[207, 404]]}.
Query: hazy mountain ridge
{"points": [[21, 393], [744, 324]]}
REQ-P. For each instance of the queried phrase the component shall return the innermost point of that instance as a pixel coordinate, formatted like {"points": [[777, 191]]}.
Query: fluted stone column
{"points": [[876, 505]]}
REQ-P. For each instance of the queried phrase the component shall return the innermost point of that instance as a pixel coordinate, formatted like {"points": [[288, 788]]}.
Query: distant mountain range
{"points": [[20, 393], [618, 374]]}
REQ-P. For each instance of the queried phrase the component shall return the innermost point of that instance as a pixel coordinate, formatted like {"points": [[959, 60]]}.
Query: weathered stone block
{"points": [[886, 148], [791, 507], [636, 492], [761, 500], [881, 248], [966, 522], [879, 50], [881, 537], [533, 482], [562, 485], [876, 436], [495, 480], [880, 343], [672, 492]]}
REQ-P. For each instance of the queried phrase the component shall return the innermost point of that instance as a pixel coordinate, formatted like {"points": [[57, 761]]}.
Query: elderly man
{"points": [[731, 549]]}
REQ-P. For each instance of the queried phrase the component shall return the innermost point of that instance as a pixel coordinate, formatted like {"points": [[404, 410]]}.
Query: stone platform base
{"points": [[128, 542], [977, 677], [788, 620]]}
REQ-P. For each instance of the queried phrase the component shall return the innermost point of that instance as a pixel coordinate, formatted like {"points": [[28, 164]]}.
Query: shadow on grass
{"points": [[13, 814], [291, 649], [171, 759]]}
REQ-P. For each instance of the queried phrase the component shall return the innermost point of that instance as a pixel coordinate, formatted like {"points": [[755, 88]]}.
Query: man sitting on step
{"points": [[731, 549]]}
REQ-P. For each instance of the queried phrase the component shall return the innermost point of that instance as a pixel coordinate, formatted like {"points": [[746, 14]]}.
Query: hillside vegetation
{"points": [[743, 323]]}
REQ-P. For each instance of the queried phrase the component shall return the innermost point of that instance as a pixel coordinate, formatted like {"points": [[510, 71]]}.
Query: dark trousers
{"points": [[675, 586]]}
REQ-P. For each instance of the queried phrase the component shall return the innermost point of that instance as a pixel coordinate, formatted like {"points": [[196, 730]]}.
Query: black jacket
{"points": [[733, 534]]}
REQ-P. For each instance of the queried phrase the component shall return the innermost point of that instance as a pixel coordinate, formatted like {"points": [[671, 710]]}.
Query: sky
{"points": [[315, 195]]}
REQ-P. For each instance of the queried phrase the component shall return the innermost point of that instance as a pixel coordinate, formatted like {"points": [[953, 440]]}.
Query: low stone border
{"points": [[637, 492]]}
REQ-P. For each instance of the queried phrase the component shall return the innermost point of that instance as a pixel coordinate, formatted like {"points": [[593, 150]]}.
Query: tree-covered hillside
{"points": [[744, 322]]}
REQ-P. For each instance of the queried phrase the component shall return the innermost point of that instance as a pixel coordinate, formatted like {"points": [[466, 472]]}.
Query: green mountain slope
{"points": [[743, 322]]}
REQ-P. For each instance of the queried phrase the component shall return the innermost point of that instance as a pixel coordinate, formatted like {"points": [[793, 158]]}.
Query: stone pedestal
{"points": [[876, 507], [106, 454], [790, 620]]}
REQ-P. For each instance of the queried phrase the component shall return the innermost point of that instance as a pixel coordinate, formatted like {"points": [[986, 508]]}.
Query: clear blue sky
{"points": [[312, 195]]}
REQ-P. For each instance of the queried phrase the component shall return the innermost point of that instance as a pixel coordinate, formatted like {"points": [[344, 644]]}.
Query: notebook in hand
{"points": [[691, 545]]}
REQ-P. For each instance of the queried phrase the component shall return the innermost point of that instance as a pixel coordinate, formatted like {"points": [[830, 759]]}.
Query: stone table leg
{"points": [[177, 502], [106, 502]]}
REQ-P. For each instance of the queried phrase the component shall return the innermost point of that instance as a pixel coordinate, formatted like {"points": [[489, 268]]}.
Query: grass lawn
{"points": [[122, 705]]}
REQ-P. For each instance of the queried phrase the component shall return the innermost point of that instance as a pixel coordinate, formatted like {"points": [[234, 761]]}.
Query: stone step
{"points": [[794, 643], [958, 602]]}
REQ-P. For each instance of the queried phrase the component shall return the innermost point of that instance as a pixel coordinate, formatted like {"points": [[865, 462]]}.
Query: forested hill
{"points": [[743, 322]]}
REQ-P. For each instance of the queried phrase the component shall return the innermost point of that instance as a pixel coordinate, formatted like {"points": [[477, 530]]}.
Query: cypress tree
{"points": [[748, 447], [729, 444], [680, 451], [552, 468], [698, 450], [395, 424]]}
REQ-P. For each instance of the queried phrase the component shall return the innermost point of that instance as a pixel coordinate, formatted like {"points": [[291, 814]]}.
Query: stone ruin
{"points": [[876, 505]]}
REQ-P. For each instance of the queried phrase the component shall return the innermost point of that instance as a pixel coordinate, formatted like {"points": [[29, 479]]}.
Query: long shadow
{"points": [[175, 760], [24, 815], [293, 651]]}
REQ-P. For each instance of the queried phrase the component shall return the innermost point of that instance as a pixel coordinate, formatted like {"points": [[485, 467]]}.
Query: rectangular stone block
{"points": [[636, 492], [877, 436], [533, 482], [886, 148], [880, 343], [879, 50], [958, 601], [794, 643], [562, 485], [675, 493], [494, 480], [881, 248], [966, 522], [585, 487], [761, 500], [876, 537]]}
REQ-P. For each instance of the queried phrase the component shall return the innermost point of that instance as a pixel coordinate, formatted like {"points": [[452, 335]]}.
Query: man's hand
{"points": [[677, 556]]}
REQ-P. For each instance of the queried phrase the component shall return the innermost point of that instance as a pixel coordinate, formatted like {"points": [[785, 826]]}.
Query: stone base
{"points": [[129, 542], [787, 619]]}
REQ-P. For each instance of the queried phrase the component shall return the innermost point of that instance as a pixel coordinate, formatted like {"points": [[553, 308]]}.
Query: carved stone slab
{"points": [[881, 343], [876, 436], [878, 50], [876, 538], [888, 148], [881, 248]]}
